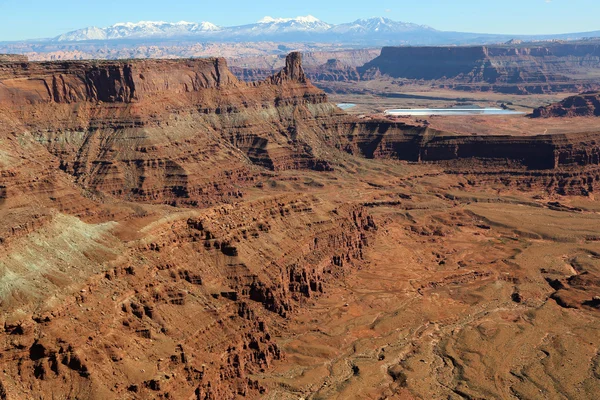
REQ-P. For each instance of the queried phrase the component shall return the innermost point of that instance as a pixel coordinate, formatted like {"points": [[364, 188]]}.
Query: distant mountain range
{"points": [[144, 29], [280, 29], [269, 36]]}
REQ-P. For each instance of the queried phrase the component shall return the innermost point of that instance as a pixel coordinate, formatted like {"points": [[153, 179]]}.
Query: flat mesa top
{"points": [[452, 111]]}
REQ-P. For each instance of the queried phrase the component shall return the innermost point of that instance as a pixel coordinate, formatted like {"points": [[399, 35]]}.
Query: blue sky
{"points": [[25, 19]]}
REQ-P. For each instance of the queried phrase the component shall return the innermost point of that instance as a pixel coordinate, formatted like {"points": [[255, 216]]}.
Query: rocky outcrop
{"points": [[583, 105], [319, 66], [292, 71], [194, 305]]}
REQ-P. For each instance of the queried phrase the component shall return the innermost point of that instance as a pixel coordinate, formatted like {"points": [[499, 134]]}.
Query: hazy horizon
{"points": [[37, 19]]}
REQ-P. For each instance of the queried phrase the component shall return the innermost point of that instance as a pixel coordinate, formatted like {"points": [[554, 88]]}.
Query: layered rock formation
{"points": [[108, 82], [514, 69], [584, 105], [167, 231], [382, 139], [567, 164], [77, 108], [86, 148]]}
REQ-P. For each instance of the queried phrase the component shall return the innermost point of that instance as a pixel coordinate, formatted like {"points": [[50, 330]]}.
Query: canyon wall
{"points": [[518, 69], [562, 163], [384, 139], [110, 82], [487, 64]]}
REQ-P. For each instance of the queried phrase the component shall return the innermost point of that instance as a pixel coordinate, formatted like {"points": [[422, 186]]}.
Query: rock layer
{"points": [[583, 105], [510, 69], [563, 163], [104, 122], [13, 58]]}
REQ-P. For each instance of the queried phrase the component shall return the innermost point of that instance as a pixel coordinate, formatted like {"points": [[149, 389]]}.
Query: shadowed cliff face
{"points": [[529, 66], [432, 63], [383, 139]]}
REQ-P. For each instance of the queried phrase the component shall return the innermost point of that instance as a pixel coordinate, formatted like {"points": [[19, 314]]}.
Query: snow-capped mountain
{"points": [[139, 30], [268, 28], [305, 24], [378, 25]]}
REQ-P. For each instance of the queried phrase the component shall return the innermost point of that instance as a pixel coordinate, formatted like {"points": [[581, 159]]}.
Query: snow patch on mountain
{"points": [[268, 28], [309, 19]]}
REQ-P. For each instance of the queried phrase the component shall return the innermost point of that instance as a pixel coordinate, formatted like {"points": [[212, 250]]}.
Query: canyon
{"points": [[512, 68], [517, 68], [168, 230]]}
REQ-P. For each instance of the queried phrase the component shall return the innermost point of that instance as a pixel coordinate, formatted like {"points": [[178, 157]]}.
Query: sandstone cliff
{"points": [[102, 120], [567, 164], [584, 105], [111, 82]]}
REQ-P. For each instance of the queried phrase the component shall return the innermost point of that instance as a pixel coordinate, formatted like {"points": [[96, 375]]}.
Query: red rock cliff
{"points": [[583, 105], [125, 82], [106, 122]]}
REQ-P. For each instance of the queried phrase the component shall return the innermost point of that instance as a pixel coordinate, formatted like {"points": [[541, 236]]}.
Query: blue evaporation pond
{"points": [[452, 111], [346, 106]]}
